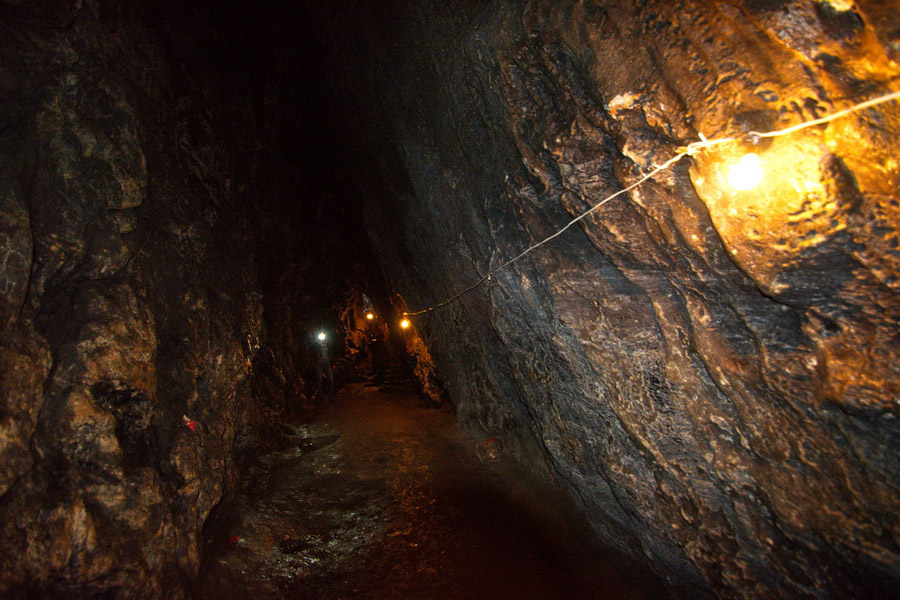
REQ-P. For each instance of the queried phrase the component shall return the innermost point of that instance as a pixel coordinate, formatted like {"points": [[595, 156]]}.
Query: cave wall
{"points": [[712, 374], [130, 306]]}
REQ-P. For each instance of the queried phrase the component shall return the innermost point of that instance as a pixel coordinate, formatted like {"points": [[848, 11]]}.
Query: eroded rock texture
{"points": [[122, 311], [712, 373]]}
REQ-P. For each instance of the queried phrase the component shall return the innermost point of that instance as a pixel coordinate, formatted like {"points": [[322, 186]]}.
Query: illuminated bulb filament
{"points": [[746, 174]]}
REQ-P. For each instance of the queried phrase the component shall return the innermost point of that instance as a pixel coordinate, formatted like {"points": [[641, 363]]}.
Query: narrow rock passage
{"points": [[382, 498]]}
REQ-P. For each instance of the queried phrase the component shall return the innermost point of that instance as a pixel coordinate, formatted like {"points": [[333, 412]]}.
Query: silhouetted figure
{"points": [[324, 373], [379, 354]]}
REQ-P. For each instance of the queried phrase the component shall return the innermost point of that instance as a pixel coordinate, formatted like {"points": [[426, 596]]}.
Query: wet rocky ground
{"points": [[380, 497]]}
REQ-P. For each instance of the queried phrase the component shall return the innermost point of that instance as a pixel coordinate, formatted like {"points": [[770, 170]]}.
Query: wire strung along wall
{"points": [[742, 175]]}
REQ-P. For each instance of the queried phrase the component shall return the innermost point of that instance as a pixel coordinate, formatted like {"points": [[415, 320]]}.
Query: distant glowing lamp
{"points": [[746, 173], [404, 324], [321, 336], [370, 316]]}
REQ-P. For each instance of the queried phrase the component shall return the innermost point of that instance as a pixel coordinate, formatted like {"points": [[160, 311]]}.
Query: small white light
{"points": [[321, 336], [404, 324], [370, 316], [746, 174]]}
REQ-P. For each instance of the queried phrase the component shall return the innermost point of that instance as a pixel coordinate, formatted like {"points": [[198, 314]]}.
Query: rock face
{"points": [[713, 373], [131, 309]]}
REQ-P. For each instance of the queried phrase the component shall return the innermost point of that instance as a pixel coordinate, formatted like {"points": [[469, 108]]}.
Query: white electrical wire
{"points": [[688, 150]]}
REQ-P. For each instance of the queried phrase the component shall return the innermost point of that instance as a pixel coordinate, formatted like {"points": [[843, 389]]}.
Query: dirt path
{"points": [[382, 498]]}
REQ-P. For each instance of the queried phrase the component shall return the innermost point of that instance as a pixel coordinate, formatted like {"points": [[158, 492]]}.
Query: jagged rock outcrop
{"points": [[130, 306], [712, 373]]}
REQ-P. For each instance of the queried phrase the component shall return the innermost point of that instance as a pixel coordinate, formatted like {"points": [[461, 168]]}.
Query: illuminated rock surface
{"points": [[712, 374], [715, 372]]}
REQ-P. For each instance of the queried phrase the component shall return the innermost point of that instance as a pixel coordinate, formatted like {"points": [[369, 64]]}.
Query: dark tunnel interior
{"points": [[468, 299]]}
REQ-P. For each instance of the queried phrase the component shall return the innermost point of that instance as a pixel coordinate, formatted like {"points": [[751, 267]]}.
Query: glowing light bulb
{"points": [[321, 336], [746, 174], [370, 316], [404, 324]]}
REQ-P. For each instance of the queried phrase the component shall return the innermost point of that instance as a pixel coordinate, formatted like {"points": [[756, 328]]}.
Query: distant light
{"points": [[321, 336], [370, 316], [404, 324], [746, 174]]}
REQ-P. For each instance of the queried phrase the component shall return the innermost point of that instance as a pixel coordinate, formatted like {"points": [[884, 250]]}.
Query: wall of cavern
{"points": [[712, 373], [149, 243]]}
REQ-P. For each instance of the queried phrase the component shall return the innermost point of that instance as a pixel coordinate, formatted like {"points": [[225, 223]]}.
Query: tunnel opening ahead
{"points": [[313, 175]]}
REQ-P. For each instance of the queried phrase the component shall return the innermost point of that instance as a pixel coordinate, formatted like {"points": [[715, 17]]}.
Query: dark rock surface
{"points": [[141, 291], [712, 373], [124, 312]]}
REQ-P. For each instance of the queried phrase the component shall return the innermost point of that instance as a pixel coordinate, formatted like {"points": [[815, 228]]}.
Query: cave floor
{"points": [[380, 497]]}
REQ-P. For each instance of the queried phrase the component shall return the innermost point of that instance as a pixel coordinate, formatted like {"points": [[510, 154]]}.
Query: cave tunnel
{"points": [[626, 369]]}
